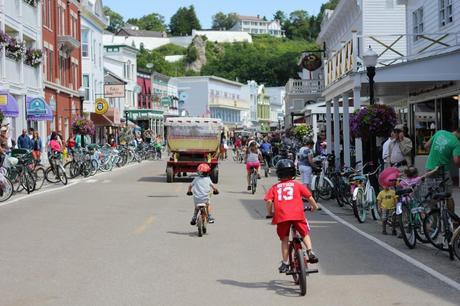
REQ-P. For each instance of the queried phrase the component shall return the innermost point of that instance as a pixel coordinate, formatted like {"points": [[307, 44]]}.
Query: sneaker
{"points": [[283, 268], [312, 258], [193, 222], [210, 219], [249, 188]]}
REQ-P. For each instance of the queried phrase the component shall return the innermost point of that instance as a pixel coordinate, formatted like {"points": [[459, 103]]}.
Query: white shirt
{"points": [[253, 157], [396, 155], [386, 150]]}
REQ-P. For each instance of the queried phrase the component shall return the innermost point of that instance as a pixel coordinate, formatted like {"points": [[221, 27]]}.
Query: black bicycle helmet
{"points": [[285, 168]]}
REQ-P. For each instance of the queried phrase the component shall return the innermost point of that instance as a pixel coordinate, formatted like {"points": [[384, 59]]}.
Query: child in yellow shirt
{"points": [[387, 202]]}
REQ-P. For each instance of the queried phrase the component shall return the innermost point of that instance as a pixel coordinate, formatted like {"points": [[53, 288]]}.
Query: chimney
{"points": [[258, 16]]}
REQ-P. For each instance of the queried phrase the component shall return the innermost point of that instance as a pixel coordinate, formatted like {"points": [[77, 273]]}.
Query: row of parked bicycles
{"points": [[30, 175], [421, 213]]}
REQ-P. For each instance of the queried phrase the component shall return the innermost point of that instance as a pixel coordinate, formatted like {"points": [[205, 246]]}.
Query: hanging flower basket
{"points": [[303, 131], [4, 39], [33, 57], [15, 49], [83, 126], [373, 120]]}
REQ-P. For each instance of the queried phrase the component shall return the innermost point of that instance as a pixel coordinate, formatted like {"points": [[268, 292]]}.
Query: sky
{"points": [[205, 9]]}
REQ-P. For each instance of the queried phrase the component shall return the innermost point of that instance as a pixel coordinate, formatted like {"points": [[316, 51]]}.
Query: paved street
{"points": [[124, 238]]}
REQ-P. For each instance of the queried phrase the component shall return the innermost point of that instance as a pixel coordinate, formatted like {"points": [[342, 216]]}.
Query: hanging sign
{"points": [[311, 62], [101, 106]]}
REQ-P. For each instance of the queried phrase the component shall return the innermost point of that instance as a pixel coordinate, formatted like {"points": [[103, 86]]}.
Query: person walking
{"points": [[24, 141], [306, 162], [400, 149], [36, 146]]}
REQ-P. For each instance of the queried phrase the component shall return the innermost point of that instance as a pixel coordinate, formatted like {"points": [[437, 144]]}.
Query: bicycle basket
{"points": [[18, 152]]}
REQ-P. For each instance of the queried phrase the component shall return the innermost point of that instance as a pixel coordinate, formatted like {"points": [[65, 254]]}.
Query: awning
{"points": [[101, 120], [8, 105], [38, 109], [299, 120]]}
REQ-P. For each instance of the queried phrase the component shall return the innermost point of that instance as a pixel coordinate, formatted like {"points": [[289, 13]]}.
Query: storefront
{"points": [[147, 119], [37, 112], [107, 126]]}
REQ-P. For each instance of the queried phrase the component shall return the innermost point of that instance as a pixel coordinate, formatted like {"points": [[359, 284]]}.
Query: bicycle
{"points": [[456, 243], [6, 187], [202, 216], [298, 262], [438, 224], [56, 169], [253, 179], [322, 187], [21, 175], [364, 199]]}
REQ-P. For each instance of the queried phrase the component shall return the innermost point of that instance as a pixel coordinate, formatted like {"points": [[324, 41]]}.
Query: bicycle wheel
{"points": [[339, 191], [50, 176], [39, 174], [6, 189], [359, 208], [94, 167], [61, 174], [418, 224], [253, 182], [456, 243], [374, 207], [324, 189], [300, 259], [199, 224], [292, 263], [433, 228], [27, 181], [407, 228]]}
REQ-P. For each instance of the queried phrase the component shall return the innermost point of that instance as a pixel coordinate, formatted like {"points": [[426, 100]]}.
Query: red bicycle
{"points": [[298, 261]]}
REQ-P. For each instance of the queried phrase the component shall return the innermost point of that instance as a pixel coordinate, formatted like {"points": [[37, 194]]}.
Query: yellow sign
{"points": [[101, 106], [3, 99]]}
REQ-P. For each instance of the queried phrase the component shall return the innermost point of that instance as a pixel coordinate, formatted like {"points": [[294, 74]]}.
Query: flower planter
{"points": [[373, 120]]}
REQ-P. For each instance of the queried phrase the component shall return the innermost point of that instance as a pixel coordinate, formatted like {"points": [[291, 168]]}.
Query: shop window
{"points": [[425, 124]]}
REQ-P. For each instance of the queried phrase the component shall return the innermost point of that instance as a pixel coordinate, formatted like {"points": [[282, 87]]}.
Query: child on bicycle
{"points": [[286, 197], [201, 188], [252, 160], [386, 200]]}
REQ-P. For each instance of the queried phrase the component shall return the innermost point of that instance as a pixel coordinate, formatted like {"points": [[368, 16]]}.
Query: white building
{"points": [[257, 25], [93, 23], [215, 97], [250, 92], [277, 105], [121, 61]]}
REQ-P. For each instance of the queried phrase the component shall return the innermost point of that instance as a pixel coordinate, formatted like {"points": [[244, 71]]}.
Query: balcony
{"points": [[30, 15], [68, 42], [304, 87], [31, 76], [13, 70]]}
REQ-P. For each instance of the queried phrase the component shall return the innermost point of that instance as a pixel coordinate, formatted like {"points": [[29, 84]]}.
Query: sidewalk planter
{"points": [[83, 126], [373, 120]]}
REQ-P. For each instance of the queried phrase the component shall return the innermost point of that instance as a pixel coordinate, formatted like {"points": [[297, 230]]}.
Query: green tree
{"points": [[281, 16], [184, 21], [298, 25], [116, 20], [150, 22], [224, 21]]}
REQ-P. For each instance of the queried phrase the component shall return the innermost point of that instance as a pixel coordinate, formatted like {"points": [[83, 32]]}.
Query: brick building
{"points": [[62, 73]]}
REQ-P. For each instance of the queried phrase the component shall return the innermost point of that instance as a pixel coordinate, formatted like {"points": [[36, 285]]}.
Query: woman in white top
{"points": [[252, 160]]}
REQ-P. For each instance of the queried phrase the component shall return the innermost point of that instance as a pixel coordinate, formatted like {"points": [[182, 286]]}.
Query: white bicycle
{"points": [[322, 187], [364, 199]]}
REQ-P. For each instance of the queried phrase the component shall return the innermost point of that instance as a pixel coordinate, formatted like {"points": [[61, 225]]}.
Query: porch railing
{"points": [[304, 87]]}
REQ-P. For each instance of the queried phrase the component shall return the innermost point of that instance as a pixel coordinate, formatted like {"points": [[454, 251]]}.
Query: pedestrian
{"points": [[386, 150], [306, 162], [31, 133], [386, 200], [24, 141], [36, 146], [319, 147], [400, 149], [444, 147]]}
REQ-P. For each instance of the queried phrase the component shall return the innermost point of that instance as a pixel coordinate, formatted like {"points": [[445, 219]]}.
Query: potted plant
{"points": [[373, 120], [303, 131], [33, 57], [15, 49], [83, 126]]}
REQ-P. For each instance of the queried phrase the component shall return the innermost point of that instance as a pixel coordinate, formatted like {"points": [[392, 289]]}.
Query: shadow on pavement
{"points": [[256, 208], [281, 287], [190, 234]]}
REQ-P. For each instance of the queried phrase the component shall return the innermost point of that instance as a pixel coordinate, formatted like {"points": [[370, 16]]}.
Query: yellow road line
{"points": [[141, 229]]}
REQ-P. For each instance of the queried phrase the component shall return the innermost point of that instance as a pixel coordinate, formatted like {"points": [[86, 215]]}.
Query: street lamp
{"points": [[370, 58], [126, 118], [81, 95]]}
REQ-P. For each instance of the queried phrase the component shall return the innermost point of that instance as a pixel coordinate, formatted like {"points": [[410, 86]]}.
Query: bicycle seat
{"points": [[442, 195], [201, 205], [402, 192]]}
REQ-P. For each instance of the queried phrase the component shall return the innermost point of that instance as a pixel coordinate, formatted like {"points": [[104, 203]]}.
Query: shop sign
{"points": [[165, 101], [36, 108], [311, 62], [102, 106], [114, 91], [3, 99], [137, 89]]}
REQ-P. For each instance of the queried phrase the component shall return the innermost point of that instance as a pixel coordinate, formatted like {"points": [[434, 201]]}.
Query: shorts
{"points": [[437, 178], [301, 226], [252, 165], [305, 174]]}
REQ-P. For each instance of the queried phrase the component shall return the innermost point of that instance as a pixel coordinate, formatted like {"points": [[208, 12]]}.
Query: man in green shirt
{"points": [[444, 146]]}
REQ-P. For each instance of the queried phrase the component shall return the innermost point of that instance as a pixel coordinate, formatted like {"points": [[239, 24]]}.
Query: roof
{"points": [[209, 78], [140, 33], [121, 46], [112, 78], [252, 18]]}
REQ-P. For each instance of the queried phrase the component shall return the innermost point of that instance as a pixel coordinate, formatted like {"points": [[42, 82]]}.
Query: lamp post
{"points": [[81, 95], [370, 61], [126, 118], [279, 124]]}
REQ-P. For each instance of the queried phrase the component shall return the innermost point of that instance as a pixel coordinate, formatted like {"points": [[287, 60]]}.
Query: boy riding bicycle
{"points": [[201, 188], [289, 210]]}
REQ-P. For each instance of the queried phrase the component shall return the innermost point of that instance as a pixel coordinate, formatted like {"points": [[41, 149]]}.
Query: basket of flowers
{"points": [[33, 57], [15, 49], [373, 120], [83, 126]]}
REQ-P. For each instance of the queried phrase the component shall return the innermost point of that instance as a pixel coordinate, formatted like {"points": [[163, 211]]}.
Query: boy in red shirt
{"points": [[289, 210]]}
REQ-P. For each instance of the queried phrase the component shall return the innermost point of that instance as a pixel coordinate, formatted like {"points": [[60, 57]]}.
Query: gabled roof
{"points": [[112, 79], [252, 18], [140, 33]]}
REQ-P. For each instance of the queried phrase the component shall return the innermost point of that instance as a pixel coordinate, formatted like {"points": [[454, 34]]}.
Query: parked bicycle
{"points": [[322, 187], [55, 173], [364, 199]]}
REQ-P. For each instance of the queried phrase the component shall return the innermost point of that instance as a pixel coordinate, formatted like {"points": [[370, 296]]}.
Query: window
{"points": [[84, 43], [63, 69], [75, 76], [417, 19], [93, 47], [46, 14], [49, 67], [73, 26], [61, 20], [445, 12], [45, 63]]}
